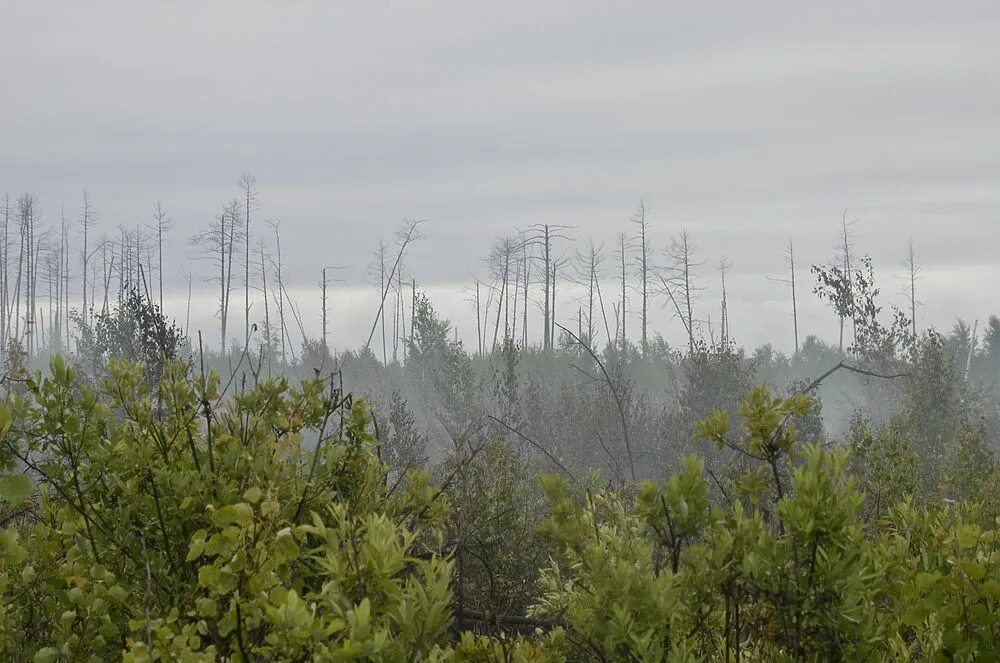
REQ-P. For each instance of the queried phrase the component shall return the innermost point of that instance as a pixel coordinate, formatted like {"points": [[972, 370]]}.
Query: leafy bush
{"points": [[178, 525], [177, 521]]}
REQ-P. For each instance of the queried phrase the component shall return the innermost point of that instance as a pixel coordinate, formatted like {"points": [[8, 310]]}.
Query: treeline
{"points": [[61, 271]]}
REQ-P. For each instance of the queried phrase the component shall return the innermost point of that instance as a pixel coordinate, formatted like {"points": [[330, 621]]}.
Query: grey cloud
{"points": [[745, 122]]}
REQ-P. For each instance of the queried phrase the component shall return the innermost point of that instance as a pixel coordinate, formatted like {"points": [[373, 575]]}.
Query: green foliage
{"points": [[175, 524], [134, 330], [172, 521], [668, 576]]}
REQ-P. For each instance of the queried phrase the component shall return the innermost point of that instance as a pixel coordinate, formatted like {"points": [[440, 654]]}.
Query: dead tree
{"points": [[87, 221], [268, 336], [324, 285], [65, 281], [187, 315], [5, 277], [525, 264], [377, 270], [409, 233], [499, 261], [790, 282], [912, 276], [479, 325], [217, 245], [589, 270], [845, 258], [107, 269], [161, 224], [724, 266], [644, 266], [27, 272], [277, 264], [621, 308], [398, 318], [680, 283], [248, 190], [542, 235]]}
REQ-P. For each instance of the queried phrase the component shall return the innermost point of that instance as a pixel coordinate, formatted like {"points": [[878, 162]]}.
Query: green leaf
{"points": [[207, 607], [5, 421], [241, 514], [15, 488], [252, 495], [967, 535], [45, 655]]}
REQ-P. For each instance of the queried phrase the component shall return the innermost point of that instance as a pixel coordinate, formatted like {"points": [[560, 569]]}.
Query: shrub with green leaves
{"points": [[193, 521], [180, 525]]}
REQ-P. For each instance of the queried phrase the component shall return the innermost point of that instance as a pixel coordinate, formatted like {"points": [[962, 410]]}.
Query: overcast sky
{"points": [[745, 123]]}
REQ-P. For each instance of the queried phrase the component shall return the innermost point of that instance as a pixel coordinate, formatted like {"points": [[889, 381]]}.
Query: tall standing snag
{"points": [[643, 263], [248, 189], [410, 232]]}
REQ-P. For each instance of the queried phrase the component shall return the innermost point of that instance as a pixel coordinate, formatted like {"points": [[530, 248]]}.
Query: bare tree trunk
{"points": [[247, 185], [402, 310], [846, 262], [723, 269], [640, 220], [22, 235], [108, 271], [795, 305], [479, 324], [268, 338], [230, 249], [5, 276], [187, 315], [547, 248], [66, 281], [27, 211], [552, 331], [162, 225], [682, 281], [972, 349], [281, 294], [526, 276], [517, 297], [323, 311], [86, 222], [408, 233], [377, 274], [622, 308], [913, 275]]}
